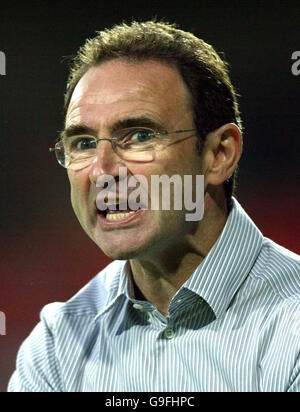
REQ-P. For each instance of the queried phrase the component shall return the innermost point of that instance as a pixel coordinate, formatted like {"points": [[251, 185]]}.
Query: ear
{"points": [[221, 153]]}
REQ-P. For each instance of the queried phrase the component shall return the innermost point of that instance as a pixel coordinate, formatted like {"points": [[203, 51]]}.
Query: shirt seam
{"points": [[261, 275]]}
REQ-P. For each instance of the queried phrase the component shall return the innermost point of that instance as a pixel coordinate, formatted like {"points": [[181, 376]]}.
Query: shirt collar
{"points": [[223, 270], [220, 274]]}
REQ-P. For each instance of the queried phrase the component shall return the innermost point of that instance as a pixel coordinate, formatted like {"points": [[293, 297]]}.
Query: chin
{"points": [[127, 243], [120, 254], [125, 249]]}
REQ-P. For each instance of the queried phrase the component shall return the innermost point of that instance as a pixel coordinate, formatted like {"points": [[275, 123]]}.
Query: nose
{"points": [[106, 162]]}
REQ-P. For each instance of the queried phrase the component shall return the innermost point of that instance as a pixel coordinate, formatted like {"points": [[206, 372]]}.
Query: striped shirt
{"points": [[234, 326]]}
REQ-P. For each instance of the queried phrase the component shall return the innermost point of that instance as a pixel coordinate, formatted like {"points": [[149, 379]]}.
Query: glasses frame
{"points": [[113, 141]]}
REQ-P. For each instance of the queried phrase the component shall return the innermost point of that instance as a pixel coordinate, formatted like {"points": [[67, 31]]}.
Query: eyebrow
{"points": [[142, 121], [77, 129]]}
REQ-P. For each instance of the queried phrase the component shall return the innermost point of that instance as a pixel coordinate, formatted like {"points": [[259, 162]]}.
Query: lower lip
{"points": [[120, 222]]}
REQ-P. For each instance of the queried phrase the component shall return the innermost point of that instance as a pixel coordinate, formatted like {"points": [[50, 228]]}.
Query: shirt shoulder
{"points": [[91, 299], [280, 269]]}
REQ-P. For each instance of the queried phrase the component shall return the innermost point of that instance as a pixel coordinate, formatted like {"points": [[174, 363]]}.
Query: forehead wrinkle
{"points": [[96, 118], [111, 118], [126, 122], [118, 72], [142, 91], [87, 103]]}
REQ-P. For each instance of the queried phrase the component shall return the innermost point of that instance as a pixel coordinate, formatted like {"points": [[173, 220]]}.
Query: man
{"points": [[200, 305]]}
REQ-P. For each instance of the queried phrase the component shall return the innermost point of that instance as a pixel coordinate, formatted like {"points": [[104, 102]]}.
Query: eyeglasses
{"points": [[132, 144]]}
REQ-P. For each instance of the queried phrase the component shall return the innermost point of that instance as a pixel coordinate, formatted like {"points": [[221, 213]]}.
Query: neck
{"points": [[159, 277]]}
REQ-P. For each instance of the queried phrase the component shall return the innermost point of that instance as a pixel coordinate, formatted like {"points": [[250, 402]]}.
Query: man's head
{"points": [[205, 74], [150, 73]]}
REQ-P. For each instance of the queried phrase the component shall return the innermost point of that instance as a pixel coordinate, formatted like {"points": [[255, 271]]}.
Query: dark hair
{"points": [[204, 72]]}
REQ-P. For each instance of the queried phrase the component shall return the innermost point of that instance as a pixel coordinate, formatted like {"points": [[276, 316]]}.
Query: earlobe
{"points": [[222, 153]]}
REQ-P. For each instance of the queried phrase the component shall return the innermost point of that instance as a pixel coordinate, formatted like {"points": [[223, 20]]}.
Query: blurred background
{"points": [[45, 255]]}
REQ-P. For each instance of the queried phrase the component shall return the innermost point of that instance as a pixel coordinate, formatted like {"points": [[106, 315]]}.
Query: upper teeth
{"points": [[118, 216], [111, 203]]}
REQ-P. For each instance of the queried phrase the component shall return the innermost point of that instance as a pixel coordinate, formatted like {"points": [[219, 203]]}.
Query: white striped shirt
{"points": [[234, 326]]}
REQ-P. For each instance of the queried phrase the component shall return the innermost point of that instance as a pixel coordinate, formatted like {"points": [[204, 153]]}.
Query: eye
{"points": [[83, 143], [141, 136]]}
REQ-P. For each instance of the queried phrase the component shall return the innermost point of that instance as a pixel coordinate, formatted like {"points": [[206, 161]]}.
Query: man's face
{"points": [[117, 91]]}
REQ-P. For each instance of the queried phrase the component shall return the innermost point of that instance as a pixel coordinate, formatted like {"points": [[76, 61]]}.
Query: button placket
{"points": [[169, 333], [138, 306]]}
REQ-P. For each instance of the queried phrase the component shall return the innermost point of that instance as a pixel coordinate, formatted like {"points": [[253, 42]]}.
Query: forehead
{"points": [[120, 88]]}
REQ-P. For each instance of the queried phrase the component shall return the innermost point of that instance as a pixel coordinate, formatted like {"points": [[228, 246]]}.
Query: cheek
{"points": [[74, 197], [79, 184], [182, 160]]}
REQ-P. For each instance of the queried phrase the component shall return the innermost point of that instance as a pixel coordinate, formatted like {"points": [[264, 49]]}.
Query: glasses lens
{"points": [[60, 154], [136, 155], [136, 144], [132, 144], [80, 161], [79, 151]]}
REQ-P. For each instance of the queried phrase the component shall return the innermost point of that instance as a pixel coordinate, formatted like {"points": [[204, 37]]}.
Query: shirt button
{"points": [[169, 333], [138, 306]]}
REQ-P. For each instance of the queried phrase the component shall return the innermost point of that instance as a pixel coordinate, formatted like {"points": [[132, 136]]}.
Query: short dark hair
{"points": [[204, 72]]}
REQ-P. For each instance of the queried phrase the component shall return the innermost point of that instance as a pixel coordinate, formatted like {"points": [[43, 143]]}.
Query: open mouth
{"points": [[116, 215], [117, 212]]}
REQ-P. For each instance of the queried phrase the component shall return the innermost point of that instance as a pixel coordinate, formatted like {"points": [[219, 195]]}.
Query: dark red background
{"points": [[45, 256]]}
